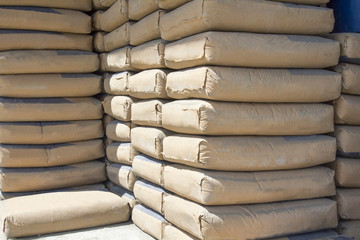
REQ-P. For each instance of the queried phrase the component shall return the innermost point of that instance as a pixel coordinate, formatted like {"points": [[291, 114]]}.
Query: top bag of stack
{"points": [[82, 5], [243, 15]]}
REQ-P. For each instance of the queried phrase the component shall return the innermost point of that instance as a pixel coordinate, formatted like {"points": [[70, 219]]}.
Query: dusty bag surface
{"points": [[349, 45], [227, 188], [223, 118], [148, 55], [119, 37], [49, 132], [146, 29], [173, 233], [113, 17], [149, 168], [120, 153], [117, 83], [252, 85], [243, 16], [140, 8], [82, 5], [148, 84], [34, 179], [171, 4], [348, 139], [235, 222], [347, 172], [49, 85], [347, 109], [118, 107], [121, 175], [21, 156], [102, 4], [349, 228], [350, 77], [147, 112], [348, 201], [116, 61], [61, 211], [49, 109], [239, 49], [123, 193], [48, 61], [119, 131], [149, 194], [149, 140], [23, 39]]}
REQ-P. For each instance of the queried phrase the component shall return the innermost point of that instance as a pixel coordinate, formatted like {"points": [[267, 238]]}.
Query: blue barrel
{"points": [[347, 15]]}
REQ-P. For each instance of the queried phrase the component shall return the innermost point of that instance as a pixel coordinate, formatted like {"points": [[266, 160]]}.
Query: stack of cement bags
{"points": [[237, 155], [50, 126], [347, 132]]}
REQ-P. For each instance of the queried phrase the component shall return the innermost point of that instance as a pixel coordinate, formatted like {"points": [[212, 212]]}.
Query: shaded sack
{"points": [[148, 55], [117, 83], [347, 109], [120, 153], [98, 42], [350, 77], [349, 228], [119, 131], [349, 45], [102, 4], [82, 5], [118, 38], [147, 113], [116, 61], [118, 107], [140, 8], [113, 17], [121, 175], [149, 194], [348, 201], [348, 141], [347, 172], [319, 235], [123, 193], [149, 169]]}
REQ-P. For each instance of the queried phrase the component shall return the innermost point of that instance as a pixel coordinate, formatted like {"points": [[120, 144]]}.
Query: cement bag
{"points": [[308, 2], [171, 4], [118, 107], [118, 38], [61, 211], [149, 221], [82, 5], [116, 61], [243, 16], [349, 45], [121, 153], [227, 188], [102, 4], [107, 119], [348, 141], [348, 201], [117, 83], [149, 169], [149, 194], [20, 156], [173, 233], [149, 140], [112, 18], [147, 113], [123, 193], [350, 77], [148, 55], [349, 228], [49, 132], [98, 42], [347, 109], [140, 8], [50, 85], [35, 179], [148, 84], [49, 109], [265, 221], [319, 235], [347, 172], [239, 49], [44, 19], [48, 61], [119, 131], [146, 29], [253, 84], [20, 39], [221, 118], [121, 175]]}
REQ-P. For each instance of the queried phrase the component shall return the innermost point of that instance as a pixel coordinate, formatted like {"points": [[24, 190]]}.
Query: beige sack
{"points": [[149, 169], [117, 83], [350, 77], [348, 141], [106, 120], [118, 107], [347, 109], [123, 193], [49, 109], [147, 113], [102, 4], [350, 229], [20, 39], [243, 16], [44, 19], [349, 45], [120, 153], [82, 5], [347, 172], [118, 38], [149, 140], [146, 29], [171, 4], [148, 84], [21, 156], [121, 175], [173, 233], [227, 188], [112, 18], [252, 50], [119, 131], [221, 118], [98, 42], [348, 201], [148, 55], [140, 8], [150, 195], [252, 85], [36, 179], [61, 211], [50, 85], [116, 61], [48, 61], [264, 221]]}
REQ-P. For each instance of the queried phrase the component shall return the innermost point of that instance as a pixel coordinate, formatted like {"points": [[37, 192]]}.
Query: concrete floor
{"points": [[123, 231]]}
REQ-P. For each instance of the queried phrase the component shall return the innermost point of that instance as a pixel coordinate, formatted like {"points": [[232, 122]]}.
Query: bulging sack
{"points": [[150, 195], [349, 45], [119, 131], [348, 203], [348, 141], [148, 55], [118, 38], [347, 109], [116, 61], [121, 175], [113, 17], [350, 77], [118, 107], [140, 8], [147, 113], [347, 172], [98, 42], [149, 168], [120, 153], [117, 83], [82, 5]]}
